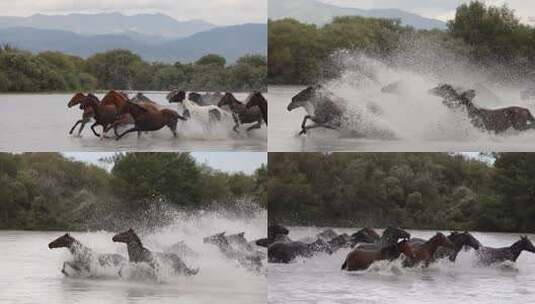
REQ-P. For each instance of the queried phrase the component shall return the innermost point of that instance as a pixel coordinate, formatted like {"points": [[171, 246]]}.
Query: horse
{"points": [[497, 120], [276, 233], [340, 241], [365, 235], [423, 253], [139, 254], [83, 256], [327, 234], [361, 259], [320, 108], [206, 114], [240, 113], [87, 115], [286, 252], [460, 240], [258, 100], [389, 237], [206, 99], [105, 114], [150, 119], [488, 255], [245, 256]]}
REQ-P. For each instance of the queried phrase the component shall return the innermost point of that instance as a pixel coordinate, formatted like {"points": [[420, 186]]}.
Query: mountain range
{"points": [[319, 13], [165, 40]]}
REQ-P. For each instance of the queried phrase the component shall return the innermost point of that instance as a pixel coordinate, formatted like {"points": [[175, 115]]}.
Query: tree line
{"points": [[411, 190], [491, 37], [47, 191], [23, 71]]}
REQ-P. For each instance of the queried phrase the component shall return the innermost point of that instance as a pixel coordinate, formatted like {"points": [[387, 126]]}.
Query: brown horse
{"points": [[361, 259], [150, 119], [423, 253], [87, 115], [241, 113], [256, 99], [104, 114]]}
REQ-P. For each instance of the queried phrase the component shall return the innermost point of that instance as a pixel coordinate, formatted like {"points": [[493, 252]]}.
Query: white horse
{"points": [[207, 115]]}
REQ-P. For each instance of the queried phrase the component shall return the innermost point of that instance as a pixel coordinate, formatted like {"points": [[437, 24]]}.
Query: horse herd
{"points": [[117, 109], [368, 247], [234, 247], [326, 111]]}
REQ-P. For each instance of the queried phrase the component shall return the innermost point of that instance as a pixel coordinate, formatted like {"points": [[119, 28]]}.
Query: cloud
{"points": [[220, 12]]}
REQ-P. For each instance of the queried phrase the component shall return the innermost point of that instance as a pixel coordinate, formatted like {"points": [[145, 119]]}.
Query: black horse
{"points": [[364, 235], [276, 233], [286, 252], [139, 254], [320, 108], [83, 256], [489, 255], [233, 247], [390, 237]]}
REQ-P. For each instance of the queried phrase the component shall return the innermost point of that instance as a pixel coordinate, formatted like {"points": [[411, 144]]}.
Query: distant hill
{"points": [[110, 23], [313, 11], [230, 42]]}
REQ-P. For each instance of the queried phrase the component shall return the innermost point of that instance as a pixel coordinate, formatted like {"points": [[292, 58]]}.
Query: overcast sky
{"points": [[246, 162], [220, 12], [438, 9]]}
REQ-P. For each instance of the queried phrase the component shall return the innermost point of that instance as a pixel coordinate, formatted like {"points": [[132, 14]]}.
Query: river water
{"points": [[31, 271], [411, 121], [41, 122], [320, 280]]}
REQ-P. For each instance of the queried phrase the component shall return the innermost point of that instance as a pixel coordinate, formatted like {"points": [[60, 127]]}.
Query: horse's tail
{"points": [[344, 266]]}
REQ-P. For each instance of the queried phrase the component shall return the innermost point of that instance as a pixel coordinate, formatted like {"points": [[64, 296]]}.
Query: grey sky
{"points": [[439, 9], [246, 162], [220, 12]]}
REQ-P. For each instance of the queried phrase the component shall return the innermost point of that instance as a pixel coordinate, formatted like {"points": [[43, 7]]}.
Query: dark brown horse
{"points": [[242, 114], [150, 119], [497, 120], [423, 253], [139, 254], [258, 100], [364, 235], [489, 255], [390, 236], [105, 114], [320, 108], [83, 256], [361, 259], [87, 115], [459, 240]]}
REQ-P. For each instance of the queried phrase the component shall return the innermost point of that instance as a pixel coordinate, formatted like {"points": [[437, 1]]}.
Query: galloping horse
{"points": [[389, 237], [83, 256], [460, 240], [87, 115], [105, 114], [364, 235], [423, 253], [276, 233], [241, 113], [206, 99], [150, 119], [320, 108], [245, 255], [139, 254], [361, 259], [258, 100], [498, 120], [286, 252], [206, 114], [489, 255]]}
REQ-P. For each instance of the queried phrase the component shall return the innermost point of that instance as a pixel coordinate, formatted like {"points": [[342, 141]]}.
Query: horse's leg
{"points": [[303, 125], [93, 129], [83, 126], [236, 122], [257, 125], [134, 129], [76, 124]]}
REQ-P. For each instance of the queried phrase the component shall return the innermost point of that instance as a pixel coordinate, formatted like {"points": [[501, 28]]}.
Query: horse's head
{"points": [[525, 244], [216, 239], [76, 99], [127, 236], [464, 239], [256, 99], [276, 229], [195, 97], [227, 100], [394, 234], [303, 97], [441, 240], [64, 241], [176, 96], [405, 248], [89, 101], [370, 232]]}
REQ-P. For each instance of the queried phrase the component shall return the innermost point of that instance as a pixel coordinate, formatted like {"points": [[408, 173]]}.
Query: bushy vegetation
{"points": [[46, 191], [412, 190], [487, 36], [22, 71]]}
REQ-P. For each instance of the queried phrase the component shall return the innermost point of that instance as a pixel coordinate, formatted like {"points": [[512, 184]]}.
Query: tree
{"points": [[212, 59]]}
